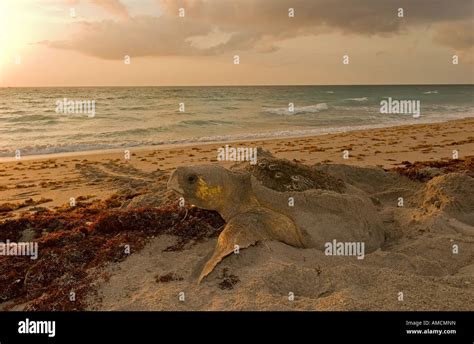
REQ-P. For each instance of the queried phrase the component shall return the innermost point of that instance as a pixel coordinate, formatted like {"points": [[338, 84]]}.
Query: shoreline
{"points": [[185, 144], [54, 179]]}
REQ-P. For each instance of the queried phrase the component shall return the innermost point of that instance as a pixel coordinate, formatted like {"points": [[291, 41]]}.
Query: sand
{"points": [[416, 269]]}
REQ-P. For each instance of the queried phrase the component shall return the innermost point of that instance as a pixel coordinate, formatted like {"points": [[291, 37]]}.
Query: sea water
{"points": [[141, 116]]}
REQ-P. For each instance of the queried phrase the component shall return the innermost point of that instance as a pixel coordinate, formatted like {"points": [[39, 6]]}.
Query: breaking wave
{"points": [[298, 110]]}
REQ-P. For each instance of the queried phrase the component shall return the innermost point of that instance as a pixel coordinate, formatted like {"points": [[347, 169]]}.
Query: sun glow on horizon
{"points": [[14, 34], [3, 36]]}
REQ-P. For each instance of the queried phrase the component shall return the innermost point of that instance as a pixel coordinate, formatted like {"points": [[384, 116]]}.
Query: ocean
{"points": [[126, 117]]}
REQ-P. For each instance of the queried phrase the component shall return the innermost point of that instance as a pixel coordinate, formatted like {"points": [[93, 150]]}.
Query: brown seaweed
{"points": [[74, 241], [426, 170]]}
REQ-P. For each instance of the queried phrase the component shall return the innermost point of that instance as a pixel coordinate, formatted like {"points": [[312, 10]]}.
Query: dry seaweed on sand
{"points": [[74, 242], [426, 170], [7, 207], [170, 276], [228, 281]]}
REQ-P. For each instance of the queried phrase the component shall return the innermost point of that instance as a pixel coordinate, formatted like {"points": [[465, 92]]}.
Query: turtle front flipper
{"points": [[246, 229], [243, 230]]}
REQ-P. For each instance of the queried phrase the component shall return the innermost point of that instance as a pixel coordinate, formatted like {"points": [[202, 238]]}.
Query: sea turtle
{"points": [[276, 199]]}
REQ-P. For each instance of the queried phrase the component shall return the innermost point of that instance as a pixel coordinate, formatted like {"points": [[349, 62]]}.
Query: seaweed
{"points": [[7, 207], [75, 241], [228, 280], [425, 170], [171, 276]]}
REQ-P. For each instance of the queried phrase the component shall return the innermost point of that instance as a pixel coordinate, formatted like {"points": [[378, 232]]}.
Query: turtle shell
{"points": [[283, 175]]}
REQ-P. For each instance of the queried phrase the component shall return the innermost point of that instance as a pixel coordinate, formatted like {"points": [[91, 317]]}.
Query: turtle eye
{"points": [[192, 178]]}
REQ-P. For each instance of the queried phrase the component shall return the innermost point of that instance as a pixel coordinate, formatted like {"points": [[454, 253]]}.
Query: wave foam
{"points": [[363, 99], [298, 110], [7, 154]]}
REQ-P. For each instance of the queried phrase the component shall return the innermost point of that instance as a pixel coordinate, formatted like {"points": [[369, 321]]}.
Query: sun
{"points": [[3, 34], [14, 34]]}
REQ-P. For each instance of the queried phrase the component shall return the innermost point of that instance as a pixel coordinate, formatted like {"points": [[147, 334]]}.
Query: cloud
{"points": [[459, 36], [111, 6], [140, 36], [258, 25], [363, 17]]}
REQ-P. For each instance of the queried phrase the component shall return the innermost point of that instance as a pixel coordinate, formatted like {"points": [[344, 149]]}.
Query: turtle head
{"points": [[209, 187]]}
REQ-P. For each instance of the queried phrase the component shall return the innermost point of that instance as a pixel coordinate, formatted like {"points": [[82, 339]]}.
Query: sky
{"points": [[195, 42]]}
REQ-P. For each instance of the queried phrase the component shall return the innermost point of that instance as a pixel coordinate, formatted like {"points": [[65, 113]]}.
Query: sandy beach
{"points": [[416, 260], [59, 177]]}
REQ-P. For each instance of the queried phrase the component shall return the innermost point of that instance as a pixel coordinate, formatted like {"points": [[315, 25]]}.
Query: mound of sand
{"points": [[452, 195], [426, 263]]}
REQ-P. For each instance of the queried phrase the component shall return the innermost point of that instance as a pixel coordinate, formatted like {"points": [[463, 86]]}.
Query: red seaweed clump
{"points": [[73, 241], [11, 230], [187, 224], [426, 170]]}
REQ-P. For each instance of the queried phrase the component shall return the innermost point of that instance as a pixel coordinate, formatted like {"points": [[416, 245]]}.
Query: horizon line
{"points": [[256, 85]]}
